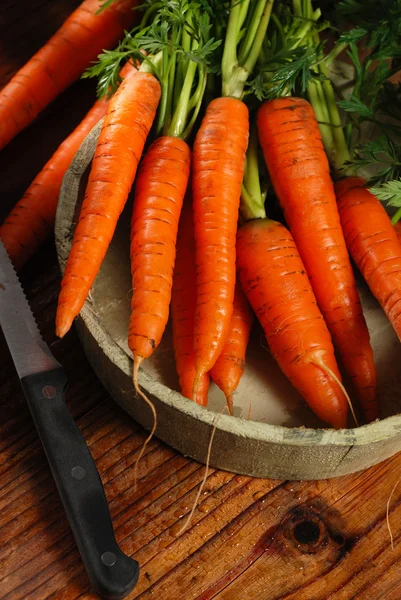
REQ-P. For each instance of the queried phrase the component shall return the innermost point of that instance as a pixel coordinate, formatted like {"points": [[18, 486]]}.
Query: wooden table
{"points": [[250, 539]]}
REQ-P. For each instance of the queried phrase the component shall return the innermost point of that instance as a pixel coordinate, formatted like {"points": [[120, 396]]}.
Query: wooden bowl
{"points": [[282, 439]]}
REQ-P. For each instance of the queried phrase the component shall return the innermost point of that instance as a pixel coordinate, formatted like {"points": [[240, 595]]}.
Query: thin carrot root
{"points": [[197, 380], [202, 485], [230, 406], [317, 360], [250, 411], [388, 512], [137, 363]]}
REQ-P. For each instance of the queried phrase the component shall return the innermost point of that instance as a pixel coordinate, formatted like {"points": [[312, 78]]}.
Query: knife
{"points": [[112, 574]]}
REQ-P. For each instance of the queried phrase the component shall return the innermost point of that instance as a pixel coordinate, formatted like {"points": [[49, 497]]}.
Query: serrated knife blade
{"points": [[112, 573], [29, 351]]}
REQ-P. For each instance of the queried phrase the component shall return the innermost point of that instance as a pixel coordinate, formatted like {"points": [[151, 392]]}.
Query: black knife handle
{"points": [[112, 574]]}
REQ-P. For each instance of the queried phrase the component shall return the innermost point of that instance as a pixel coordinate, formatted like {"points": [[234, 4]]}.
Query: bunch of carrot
{"points": [[176, 133]]}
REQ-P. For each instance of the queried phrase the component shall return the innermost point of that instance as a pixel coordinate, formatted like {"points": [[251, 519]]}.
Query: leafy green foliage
{"points": [[389, 101], [384, 154], [389, 192], [290, 57], [355, 105], [380, 19], [375, 52], [170, 20], [287, 71]]}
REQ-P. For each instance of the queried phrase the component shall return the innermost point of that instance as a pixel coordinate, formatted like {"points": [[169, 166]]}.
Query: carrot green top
{"points": [[252, 204], [174, 42], [293, 60], [371, 101], [246, 31]]}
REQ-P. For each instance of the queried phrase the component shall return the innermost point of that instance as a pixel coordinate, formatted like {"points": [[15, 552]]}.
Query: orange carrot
{"points": [[229, 367], [183, 301], [373, 244], [159, 192], [60, 62], [30, 223], [299, 170], [218, 167], [122, 138], [275, 282]]}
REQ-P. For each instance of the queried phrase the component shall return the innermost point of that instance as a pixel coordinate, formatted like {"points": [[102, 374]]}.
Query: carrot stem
{"points": [[238, 62], [316, 98], [259, 38], [178, 122], [252, 205], [321, 93], [396, 217], [196, 102], [154, 7], [251, 33]]}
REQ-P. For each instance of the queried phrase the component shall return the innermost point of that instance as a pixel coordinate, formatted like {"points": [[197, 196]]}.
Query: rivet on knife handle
{"points": [[112, 574]]}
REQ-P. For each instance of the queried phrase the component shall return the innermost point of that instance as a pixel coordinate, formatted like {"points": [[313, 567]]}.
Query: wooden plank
{"points": [[250, 539]]}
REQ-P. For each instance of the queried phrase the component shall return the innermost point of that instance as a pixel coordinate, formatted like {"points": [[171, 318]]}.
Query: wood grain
{"points": [[250, 539]]}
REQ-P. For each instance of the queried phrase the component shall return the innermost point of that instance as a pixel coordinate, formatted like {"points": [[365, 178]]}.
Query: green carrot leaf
{"points": [[389, 192], [355, 105], [353, 36], [384, 154], [284, 71]]}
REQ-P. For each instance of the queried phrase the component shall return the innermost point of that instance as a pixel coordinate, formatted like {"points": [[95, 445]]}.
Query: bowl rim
{"points": [[294, 436]]}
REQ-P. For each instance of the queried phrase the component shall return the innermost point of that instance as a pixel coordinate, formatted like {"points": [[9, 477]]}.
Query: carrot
{"points": [[60, 62], [160, 188], [183, 301], [118, 151], [218, 167], [229, 367], [299, 170], [373, 244], [30, 223], [275, 282]]}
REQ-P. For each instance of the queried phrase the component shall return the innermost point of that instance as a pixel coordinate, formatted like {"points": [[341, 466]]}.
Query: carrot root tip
{"points": [[230, 405], [388, 512], [205, 476], [197, 379], [318, 361], [137, 363]]}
